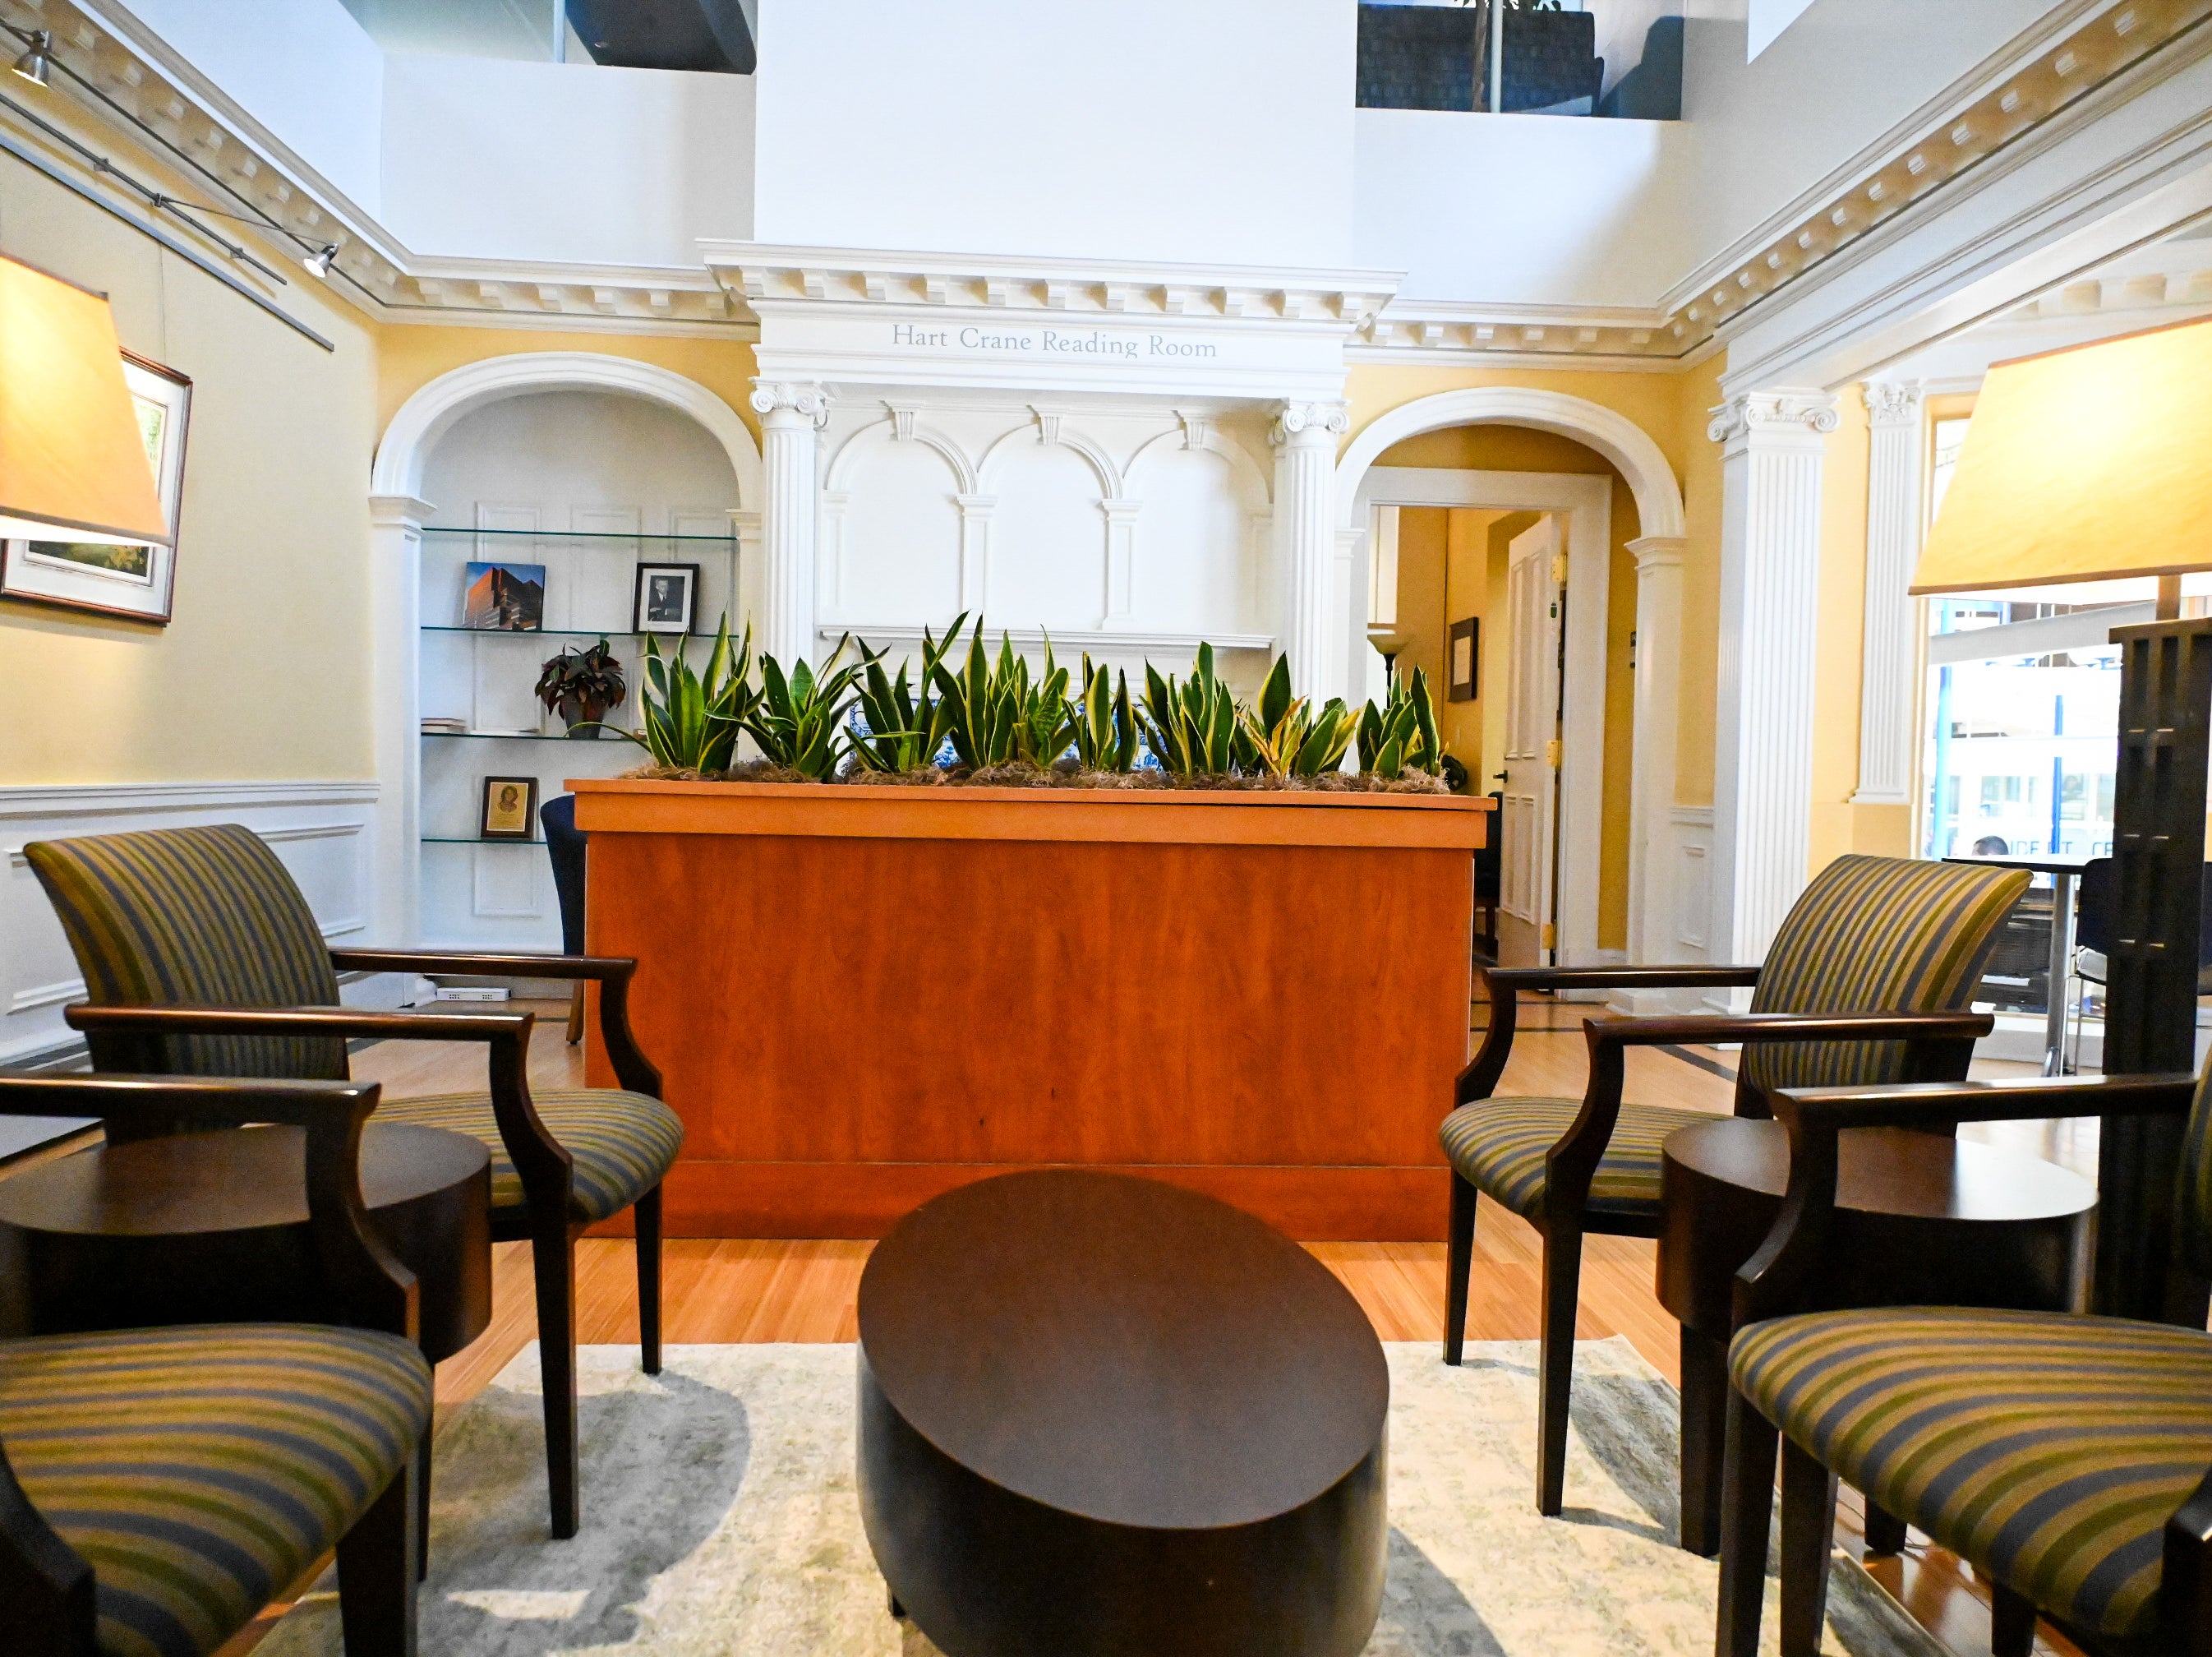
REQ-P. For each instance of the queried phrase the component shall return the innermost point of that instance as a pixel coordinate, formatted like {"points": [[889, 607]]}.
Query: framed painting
{"points": [[510, 808], [137, 581], [1463, 660], [666, 596]]}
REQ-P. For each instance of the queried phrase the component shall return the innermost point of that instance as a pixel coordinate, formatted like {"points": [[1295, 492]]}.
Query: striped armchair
{"points": [[159, 1487], [201, 958], [2066, 1457], [1867, 981]]}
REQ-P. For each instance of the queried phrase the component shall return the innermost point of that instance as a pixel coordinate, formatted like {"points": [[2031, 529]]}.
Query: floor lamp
{"points": [[2095, 465]]}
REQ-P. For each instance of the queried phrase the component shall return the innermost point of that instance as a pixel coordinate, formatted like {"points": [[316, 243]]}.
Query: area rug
{"points": [[720, 1517]]}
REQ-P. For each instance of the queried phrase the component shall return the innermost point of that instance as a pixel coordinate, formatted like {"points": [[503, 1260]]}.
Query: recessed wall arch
{"points": [[964, 471], [1049, 430]]}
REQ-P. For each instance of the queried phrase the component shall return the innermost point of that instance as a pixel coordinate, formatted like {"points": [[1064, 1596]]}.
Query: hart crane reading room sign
{"points": [[1063, 344]]}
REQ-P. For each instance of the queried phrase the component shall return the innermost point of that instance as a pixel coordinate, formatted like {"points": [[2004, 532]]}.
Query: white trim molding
{"points": [[320, 831], [1773, 452], [1890, 657]]}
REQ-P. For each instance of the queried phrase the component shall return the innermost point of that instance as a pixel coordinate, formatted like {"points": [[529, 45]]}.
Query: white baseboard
{"points": [[321, 831]]}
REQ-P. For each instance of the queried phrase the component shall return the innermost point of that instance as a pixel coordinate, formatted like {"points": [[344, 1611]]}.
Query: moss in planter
{"points": [[1063, 776]]}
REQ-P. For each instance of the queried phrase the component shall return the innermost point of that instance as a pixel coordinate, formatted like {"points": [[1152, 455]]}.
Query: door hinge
{"points": [[1551, 936], [1552, 753], [1558, 570]]}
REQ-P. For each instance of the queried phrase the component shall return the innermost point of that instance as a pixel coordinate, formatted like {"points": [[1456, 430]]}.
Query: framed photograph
{"points": [[504, 598], [667, 595], [1463, 660], [137, 581], [510, 808]]}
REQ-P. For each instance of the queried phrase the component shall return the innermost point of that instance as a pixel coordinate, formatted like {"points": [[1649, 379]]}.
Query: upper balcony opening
{"points": [[1609, 58], [708, 36]]}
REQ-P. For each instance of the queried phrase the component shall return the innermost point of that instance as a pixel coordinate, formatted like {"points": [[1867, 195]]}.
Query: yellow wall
{"points": [[264, 673], [1514, 448]]}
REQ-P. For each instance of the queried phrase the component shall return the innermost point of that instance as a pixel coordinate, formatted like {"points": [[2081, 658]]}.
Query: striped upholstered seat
{"points": [[1499, 1146], [621, 1143], [200, 1472], [2049, 1450], [1870, 935]]}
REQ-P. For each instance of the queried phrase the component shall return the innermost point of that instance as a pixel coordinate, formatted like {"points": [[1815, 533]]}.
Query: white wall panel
{"points": [[1047, 538], [896, 554], [1192, 547]]}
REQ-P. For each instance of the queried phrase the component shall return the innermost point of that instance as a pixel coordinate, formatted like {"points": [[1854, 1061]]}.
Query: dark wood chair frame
{"points": [[1940, 1046], [1771, 1284], [47, 1586], [545, 1168]]}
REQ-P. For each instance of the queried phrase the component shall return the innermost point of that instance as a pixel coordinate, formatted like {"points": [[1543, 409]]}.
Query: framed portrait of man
{"points": [[667, 598], [510, 808]]}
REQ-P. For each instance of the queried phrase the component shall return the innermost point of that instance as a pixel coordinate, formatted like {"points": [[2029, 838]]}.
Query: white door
{"points": [[1535, 605]]}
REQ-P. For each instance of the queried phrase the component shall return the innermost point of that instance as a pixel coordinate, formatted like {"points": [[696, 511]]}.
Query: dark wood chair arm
{"points": [[543, 1165], [46, 1586], [1769, 1283], [637, 1073]]}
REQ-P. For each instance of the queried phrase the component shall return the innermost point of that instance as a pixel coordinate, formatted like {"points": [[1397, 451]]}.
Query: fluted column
{"points": [[1774, 445], [1652, 934], [1304, 435], [792, 413], [1890, 660], [395, 542]]}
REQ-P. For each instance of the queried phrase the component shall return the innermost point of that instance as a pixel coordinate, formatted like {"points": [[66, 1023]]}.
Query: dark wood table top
{"points": [[236, 1179], [1890, 1171], [1122, 1350]]}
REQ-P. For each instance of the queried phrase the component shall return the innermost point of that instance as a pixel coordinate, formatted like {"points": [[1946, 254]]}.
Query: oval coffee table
{"points": [[1921, 1220], [212, 1227], [1105, 1415]]}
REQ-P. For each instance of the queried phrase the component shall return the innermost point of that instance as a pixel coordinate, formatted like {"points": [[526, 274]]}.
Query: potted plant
{"points": [[583, 686]]}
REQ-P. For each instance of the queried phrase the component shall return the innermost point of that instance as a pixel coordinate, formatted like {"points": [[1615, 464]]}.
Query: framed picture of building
{"points": [[667, 595], [1463, 660], [137, 581], [504, 598], [510, 808]]}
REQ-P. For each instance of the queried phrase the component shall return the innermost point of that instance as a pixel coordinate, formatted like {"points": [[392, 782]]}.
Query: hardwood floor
{"points": [[731, 1290]]}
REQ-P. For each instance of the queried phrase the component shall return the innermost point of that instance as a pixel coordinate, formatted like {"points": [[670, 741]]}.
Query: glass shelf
{"points": [[519, 736], [582, 535], [473, 840]]}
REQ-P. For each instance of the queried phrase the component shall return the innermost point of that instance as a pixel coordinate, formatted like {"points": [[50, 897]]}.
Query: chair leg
{"points": [[1747, 1511], [1705, 1438], [1885, 1531], [1809, 1530], [2012, 1623], [1459, 1260], [647, 1215], [377, 1561], [422, 1505], [1563, 1270], [553, 1255], [576, 1012]]}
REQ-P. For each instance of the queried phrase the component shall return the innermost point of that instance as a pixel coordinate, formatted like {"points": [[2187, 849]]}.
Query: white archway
{"points": [[1655, 932], [425, 417]]}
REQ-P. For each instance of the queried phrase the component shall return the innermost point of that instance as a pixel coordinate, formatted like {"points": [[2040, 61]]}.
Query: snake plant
{"points": [[689, 720], [1106, 734], [1286, 737], [905, 724], [994, 715], [1193, 727], [796, 718], [1400, 736]]}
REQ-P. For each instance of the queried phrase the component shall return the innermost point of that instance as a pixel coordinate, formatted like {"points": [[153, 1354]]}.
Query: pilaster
{"points": [[1890, 661], [792, 414], [1304, 435], [1773, 450], [974, 550], [1121, 559], [1658, 689], [395, 540]]}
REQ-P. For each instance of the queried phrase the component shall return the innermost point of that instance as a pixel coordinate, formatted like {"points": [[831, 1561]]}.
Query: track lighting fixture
{"points": [[36, 65], [318, 264]]}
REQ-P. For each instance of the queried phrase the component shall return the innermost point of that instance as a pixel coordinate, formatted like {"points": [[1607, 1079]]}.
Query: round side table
{"points": [[1921, 1220], [212, 1227]]}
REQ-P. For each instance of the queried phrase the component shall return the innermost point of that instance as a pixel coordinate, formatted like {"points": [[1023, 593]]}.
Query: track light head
{"points": [[318, 264], [36, 65]]}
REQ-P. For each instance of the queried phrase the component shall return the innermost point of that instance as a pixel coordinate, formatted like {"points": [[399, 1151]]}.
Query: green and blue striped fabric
{"points": [[200, 1472], [1876, 935], [2047, 1449], [621, 1143], [199, 915], [1498, 1146]]}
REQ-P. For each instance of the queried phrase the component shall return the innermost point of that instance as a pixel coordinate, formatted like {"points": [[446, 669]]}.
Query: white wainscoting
{"points": [[321, 831], [1685, 871]]}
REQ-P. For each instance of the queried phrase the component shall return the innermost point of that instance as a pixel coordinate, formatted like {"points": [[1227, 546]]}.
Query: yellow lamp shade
{"points": [[73, 464], [2082, 465]]}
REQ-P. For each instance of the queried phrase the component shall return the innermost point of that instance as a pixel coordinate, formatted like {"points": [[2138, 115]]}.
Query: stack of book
{"points": [[439, 725]]}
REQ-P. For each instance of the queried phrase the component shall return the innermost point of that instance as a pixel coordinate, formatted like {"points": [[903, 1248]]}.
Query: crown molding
{"points": [[1518, 335]]}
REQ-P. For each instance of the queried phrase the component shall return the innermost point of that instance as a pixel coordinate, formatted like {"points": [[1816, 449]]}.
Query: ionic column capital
{"points": [[1773, 419], [1309, 425], [789, 402], [1890, 403]]}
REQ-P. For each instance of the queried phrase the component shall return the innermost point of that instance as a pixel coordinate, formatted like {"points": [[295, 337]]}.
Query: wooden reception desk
{"points": [[864, 996]]}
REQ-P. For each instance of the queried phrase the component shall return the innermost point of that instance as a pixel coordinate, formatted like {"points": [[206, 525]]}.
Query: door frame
{"points": [[1584, 501]]}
